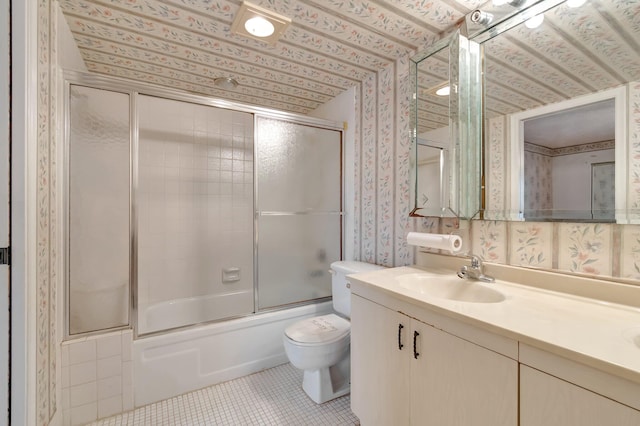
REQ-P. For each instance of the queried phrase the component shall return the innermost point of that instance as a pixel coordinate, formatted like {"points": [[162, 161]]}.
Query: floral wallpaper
{"points": [[495, 168], [382, 168], [47, 236], [537, 178]]}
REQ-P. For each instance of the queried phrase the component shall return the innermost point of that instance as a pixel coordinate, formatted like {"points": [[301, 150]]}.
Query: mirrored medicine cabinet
{"points": [[445, 166]]}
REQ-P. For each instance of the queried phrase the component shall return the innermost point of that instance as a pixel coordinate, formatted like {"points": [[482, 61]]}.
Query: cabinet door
{"points": [[379, 367], [548, 401], [455, 382]]}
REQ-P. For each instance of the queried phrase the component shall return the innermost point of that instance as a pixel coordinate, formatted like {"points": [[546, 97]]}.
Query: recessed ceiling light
{"points": [[259, 26], [225, 82], [444, 91], [258, 23], [534, 22]]}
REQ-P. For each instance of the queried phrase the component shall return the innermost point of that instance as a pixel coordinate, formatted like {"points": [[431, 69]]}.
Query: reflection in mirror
{"points": [[573, 53], [432, 142], [564, 154], [449, 119], [432, 175]]}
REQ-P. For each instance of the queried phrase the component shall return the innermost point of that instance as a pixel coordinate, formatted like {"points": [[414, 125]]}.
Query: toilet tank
{"points": [[340, 287]]}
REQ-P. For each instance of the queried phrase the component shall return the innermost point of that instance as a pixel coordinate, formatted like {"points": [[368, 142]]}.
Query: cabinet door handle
{"points": [[415, 349], [400, 345]]}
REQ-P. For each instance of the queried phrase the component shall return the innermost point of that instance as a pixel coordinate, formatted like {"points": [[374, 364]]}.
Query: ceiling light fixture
{"points": [[259, 26], [227, 83], [534, 22], [258, 23], [444, 91]]}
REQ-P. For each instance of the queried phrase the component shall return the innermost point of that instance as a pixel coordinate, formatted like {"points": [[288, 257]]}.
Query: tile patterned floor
{"points": [[270, 397]]}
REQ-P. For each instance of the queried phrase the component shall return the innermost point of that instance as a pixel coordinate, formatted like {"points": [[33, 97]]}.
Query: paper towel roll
{"points": [[453, 243]]}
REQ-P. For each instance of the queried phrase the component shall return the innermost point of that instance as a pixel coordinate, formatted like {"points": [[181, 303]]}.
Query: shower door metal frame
{"points": [[321, 124], [134, 89], [89, 81]]}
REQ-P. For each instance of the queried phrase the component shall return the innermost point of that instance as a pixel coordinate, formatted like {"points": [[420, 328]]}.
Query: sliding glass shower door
{"points": [[298, 210], [195, 218]]}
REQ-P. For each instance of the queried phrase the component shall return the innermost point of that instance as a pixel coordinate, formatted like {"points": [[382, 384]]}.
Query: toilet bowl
{"points": [[320, 346]]}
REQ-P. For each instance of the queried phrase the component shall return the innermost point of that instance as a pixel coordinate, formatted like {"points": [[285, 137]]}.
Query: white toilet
{"points": [[320, 345]]}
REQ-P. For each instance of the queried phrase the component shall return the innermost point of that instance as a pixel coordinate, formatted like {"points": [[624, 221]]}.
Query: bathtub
{"points": [[180, 361], [193, 310]]}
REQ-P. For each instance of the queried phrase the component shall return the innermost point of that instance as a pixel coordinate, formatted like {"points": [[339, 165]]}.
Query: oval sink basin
{"points": [[452, 288]]}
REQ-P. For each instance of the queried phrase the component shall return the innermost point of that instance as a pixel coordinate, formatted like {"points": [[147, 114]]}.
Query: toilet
{"points": [[321, 345]]}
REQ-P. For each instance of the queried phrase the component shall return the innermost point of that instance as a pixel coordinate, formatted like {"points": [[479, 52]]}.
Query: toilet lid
{"points": [[322, 329]]}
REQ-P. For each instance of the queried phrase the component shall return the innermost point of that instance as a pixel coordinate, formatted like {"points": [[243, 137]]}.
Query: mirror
{"points": [[565, 156], [432, 175], [557, 143], [440, 123]]}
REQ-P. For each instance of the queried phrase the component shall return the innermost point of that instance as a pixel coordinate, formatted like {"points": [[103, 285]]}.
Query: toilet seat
{"points": [[319, 330]]}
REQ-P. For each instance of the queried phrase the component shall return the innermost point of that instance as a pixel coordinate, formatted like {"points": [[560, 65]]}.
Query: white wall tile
{"points": [[127, 339], [109, 346], [82, 373], [64, 379], [64, 355], [82, 351], [109, 406], [109, 367], [84, 414], [83, 394], [66, 399], [109, 387]]}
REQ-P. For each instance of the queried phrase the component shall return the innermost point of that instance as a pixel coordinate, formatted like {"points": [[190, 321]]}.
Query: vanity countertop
{"points": [[594, 332]]}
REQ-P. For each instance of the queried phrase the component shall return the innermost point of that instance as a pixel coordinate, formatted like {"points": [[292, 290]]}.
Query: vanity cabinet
{"points": [[405, 371], [547, 400]]}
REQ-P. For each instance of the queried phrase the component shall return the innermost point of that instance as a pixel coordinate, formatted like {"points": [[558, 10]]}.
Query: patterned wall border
{"points": [[496, 165], [46, 231], [569, 150]]}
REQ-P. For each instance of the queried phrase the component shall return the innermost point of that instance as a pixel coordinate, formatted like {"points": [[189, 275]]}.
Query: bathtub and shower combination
{"points": [[206, 227]]}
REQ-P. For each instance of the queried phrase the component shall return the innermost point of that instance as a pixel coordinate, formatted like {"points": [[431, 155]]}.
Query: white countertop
{"points": [[597, 333]]}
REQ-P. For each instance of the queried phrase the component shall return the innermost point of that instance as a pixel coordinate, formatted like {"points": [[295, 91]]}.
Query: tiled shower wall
{"points": [[195, 200]]}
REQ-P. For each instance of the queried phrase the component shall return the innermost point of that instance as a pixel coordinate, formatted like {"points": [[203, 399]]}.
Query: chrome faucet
{"points": [[474, 271]]}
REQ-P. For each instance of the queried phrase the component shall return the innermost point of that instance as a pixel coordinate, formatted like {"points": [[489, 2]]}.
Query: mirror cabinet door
{"points": [[445, 163], [557, 97]]}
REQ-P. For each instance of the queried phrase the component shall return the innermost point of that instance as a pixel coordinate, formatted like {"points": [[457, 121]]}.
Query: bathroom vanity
{"points": [[430, 348]]}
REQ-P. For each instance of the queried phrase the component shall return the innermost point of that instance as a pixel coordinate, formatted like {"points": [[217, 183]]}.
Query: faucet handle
{"points": [[475, 262]]}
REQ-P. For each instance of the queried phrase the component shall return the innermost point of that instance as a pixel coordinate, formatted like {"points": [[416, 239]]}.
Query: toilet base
{"points": [[325, 384]]}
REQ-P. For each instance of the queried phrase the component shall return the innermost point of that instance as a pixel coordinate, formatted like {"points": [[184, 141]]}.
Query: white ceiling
{"points": [[576, 126], [330, 46]]}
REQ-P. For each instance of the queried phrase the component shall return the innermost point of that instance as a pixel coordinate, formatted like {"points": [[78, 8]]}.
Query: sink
{"points": [[632, 335], [450, 287]]}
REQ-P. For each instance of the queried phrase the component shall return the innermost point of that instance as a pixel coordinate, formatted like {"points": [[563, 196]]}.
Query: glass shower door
{"points": [[298, 209], [195, 214], [98, 246]]}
